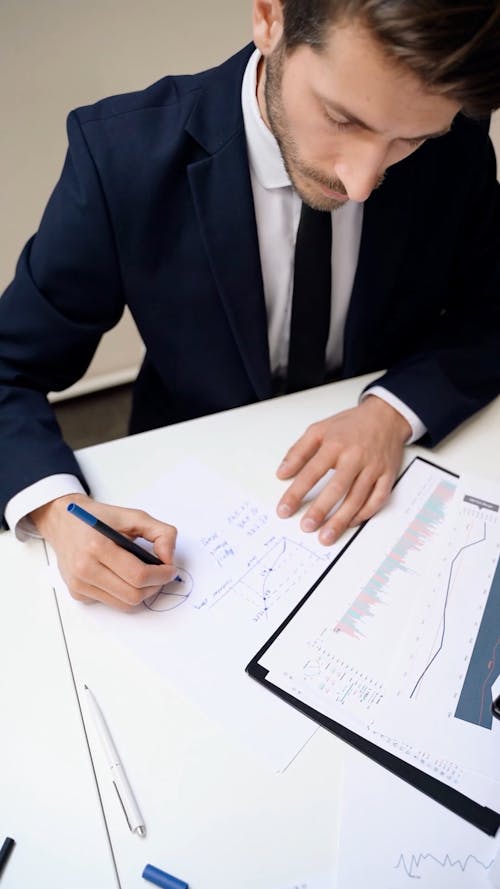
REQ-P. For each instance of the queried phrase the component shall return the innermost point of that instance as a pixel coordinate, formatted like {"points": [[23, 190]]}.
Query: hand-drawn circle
{"points": [[172, 594]]}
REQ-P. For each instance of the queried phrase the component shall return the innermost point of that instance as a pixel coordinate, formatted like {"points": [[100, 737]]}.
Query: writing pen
{"points": [[115, 536], [7, 847], [123, 789]]}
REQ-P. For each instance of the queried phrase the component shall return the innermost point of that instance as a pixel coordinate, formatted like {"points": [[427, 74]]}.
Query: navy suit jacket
{"points": [[154, 210]]}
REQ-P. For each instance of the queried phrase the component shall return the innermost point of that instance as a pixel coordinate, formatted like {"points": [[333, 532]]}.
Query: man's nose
{"points": [[361, 173]]}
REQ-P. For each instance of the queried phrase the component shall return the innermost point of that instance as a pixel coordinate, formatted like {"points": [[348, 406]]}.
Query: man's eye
{"points": [[338, 124]]}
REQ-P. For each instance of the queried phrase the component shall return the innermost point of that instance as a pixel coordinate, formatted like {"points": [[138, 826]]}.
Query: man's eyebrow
{"points": [[351, 118]]}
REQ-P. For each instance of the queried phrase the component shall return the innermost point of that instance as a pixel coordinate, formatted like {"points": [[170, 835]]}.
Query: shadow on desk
{"points": [[95, 418]]}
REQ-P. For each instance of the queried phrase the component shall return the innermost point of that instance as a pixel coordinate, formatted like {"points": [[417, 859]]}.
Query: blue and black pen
{"points": [[115, 536]]}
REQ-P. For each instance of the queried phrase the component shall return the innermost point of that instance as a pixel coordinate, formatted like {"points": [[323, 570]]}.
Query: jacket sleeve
{"points": [[456, 369], [66, 293]]}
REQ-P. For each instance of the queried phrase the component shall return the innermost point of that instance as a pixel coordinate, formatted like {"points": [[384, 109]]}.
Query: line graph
{"points": [[413, 539], [439, 647], [412, 863], [456, 635]]}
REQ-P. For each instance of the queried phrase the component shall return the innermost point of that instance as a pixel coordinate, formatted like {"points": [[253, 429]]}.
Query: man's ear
{"points": [[267, 25]]}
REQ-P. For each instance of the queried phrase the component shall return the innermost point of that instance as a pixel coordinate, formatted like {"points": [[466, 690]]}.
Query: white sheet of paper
{"points": [[392, 836], [317, 882], [399, 641], [241, 570]]}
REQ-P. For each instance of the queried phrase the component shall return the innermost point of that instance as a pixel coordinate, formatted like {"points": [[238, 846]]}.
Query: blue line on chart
{"points": [[438, 650]]}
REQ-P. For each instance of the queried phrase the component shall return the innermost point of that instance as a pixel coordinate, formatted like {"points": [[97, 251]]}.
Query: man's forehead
{"points": [[353, 75]]}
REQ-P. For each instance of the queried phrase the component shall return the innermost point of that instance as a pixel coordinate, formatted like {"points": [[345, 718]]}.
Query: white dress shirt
{"points": [[277, 212]]}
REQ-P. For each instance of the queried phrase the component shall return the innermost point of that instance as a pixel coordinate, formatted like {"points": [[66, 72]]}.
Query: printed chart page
{"points": [[401, 640], [240, 571], [406, 839]]}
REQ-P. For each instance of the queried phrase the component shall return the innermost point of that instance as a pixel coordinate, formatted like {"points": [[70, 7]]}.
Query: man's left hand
{"points": [[364, 445]]}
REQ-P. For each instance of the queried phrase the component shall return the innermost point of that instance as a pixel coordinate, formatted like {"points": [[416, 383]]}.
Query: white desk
{"points": [[216, 816]]}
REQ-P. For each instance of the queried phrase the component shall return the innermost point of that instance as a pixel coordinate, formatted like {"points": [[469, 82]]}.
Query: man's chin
{"points": [[317, 196], [320, 201]]}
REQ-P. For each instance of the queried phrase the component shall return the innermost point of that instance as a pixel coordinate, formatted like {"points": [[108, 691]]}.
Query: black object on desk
{"points": [[7, 847], [495, 707]]}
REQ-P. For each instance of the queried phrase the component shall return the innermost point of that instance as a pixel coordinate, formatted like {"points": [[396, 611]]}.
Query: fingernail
{"points": [[284, 510], [327, 536], [308, 525]]}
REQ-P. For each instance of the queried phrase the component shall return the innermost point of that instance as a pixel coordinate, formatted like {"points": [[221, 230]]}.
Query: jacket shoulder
{"points": [[169, 90]]}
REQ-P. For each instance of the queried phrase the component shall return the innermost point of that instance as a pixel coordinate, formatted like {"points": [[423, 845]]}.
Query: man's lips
{"points": [[339, 196]]}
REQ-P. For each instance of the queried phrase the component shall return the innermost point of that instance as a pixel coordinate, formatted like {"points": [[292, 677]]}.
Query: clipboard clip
{"points": [[495, 707]]}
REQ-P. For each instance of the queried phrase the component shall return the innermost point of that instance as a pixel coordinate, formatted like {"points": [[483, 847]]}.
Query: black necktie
{"points": [[312, 286]]}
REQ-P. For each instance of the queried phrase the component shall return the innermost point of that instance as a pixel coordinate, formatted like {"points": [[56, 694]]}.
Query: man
{"points": [[183, 202]]}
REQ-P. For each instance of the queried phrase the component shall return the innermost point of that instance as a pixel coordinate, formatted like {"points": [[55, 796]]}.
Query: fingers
{"points": [[299, 454], [349, 477], [92, 595], [345, 494], [109, 574], [364, 499], [97, 569], [347, 466], [364, 447], [377, 499], [95, 595], [137, 523], [116, 573], [310, 463], [97, 583]]}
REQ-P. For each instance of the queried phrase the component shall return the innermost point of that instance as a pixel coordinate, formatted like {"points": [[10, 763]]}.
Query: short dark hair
{"points": [[452, 46]]}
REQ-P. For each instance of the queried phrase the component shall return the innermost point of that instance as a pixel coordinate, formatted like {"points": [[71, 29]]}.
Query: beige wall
{"points": [[495, 135], [57, 54]]}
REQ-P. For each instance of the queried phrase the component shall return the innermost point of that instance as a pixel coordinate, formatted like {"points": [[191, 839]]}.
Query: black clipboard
{"points": [[480, 816]]}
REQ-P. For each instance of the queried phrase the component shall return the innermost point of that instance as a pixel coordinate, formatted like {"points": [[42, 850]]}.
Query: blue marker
{"points": [[115, 536], [162, 879]]}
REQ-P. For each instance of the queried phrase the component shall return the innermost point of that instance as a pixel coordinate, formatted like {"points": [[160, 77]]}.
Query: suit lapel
{"points": [[222, 194], [224, 204]]}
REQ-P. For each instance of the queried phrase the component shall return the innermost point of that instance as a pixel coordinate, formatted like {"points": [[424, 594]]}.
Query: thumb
{"points": [[163, 537]]}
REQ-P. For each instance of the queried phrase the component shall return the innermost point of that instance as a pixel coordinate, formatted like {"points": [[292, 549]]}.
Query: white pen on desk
{"points": [[130, 808]]}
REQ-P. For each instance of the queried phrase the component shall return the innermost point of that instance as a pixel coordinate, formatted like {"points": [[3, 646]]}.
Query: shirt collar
{"points": [[264, 155]]}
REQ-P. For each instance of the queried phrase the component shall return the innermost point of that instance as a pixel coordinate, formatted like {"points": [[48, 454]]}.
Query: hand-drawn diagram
{"points": [[172, 595], [284, 566]]}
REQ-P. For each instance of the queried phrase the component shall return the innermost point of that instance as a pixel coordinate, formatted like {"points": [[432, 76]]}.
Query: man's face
{"points": [[343, 116]]}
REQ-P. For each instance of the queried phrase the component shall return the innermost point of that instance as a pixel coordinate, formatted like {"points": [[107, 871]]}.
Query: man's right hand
{"points": [[96, 569]]}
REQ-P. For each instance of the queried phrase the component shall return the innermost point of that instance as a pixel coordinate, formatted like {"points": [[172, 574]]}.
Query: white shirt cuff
{"points": [[19, 507], [417, 427]]}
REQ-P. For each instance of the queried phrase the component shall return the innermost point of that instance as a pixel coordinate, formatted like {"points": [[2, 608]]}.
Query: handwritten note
{"points": [[240, 570]]}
